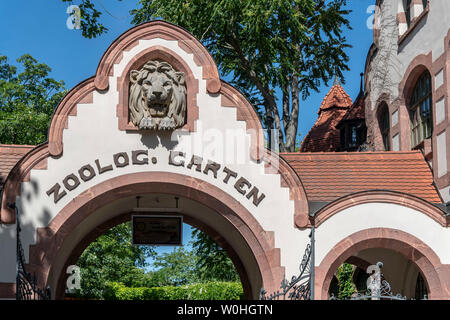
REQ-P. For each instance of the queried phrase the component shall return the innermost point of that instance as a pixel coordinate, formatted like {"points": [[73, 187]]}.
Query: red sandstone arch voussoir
{"points": [[164, 30], [417, 66], [51, 238], [383, 196], [412, 248]]}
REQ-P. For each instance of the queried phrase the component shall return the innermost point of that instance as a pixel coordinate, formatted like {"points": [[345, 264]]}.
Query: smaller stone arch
{"points": [[418, 65], [383, 196], [382, 105], [412, 248]]}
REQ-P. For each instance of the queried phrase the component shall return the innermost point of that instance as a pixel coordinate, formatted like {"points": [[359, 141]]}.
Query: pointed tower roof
{"points": [[324, 136], [336, 97]]}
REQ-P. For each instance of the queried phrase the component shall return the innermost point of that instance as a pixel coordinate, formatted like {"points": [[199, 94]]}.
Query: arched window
{"points": [[383, 121], [420, 110], [421, 289]]}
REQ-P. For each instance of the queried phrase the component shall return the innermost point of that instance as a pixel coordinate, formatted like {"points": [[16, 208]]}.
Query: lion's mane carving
{"points": [[157, 98]]}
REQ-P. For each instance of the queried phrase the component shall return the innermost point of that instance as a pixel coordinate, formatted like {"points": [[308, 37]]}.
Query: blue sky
{"points": [[38, 27]]}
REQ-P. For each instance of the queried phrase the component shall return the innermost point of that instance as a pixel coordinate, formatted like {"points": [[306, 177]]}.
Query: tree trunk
{"points": [[292, 126]]}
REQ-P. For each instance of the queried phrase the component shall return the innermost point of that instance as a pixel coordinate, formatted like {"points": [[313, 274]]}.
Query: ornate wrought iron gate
{"points": [[377, 287], [300, 287]]}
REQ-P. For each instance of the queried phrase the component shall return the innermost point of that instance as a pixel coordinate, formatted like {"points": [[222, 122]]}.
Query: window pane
{"points": [[420, 109], [384, 126]]}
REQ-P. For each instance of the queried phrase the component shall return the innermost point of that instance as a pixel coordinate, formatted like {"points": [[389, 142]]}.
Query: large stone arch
{"points": [[51, 238], [104, 227], [435, 274]]}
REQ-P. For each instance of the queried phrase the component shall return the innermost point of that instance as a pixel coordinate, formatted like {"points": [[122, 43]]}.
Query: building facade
{"points": [[407, 79], [156, 122]]}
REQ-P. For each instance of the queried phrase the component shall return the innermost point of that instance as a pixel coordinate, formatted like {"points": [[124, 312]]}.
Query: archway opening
{"points": [[112, 267], [399, 275], [219, 226]]}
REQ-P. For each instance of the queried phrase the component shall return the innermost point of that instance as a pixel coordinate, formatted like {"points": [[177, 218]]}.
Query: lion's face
{"points": [[157, 89], [157, 96]]}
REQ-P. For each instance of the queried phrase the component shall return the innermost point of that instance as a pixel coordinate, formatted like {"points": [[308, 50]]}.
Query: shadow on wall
{"points": [[163, 138], [8, 239]]}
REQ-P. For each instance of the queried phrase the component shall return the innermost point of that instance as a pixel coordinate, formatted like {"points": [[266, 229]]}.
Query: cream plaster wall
{"points": [[381, 215]]}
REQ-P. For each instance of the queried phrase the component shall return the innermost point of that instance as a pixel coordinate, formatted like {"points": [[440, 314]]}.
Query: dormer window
{"points": [[353, 135]]}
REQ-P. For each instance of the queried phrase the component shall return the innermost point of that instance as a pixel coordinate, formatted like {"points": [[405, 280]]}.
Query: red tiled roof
{"points": [[324, 136], [357, 110], [328, 176], [336, 97], [10, 154]]}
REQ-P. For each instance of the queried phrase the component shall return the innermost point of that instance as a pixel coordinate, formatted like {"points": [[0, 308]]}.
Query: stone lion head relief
{"points": [[157, 98]]}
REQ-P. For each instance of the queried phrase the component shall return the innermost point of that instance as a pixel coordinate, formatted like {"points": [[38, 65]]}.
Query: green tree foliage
{"points": [[112, 257], [28, 97], [345, 285], [198, 291], [213, 262], [175, 268], [264, 46]]}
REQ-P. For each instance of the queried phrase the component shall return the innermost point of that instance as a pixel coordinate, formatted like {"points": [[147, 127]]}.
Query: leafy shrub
{"points": [[197, 291]]}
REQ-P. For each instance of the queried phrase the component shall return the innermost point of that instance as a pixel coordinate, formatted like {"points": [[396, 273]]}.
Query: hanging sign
{"points": [[157, 230]]}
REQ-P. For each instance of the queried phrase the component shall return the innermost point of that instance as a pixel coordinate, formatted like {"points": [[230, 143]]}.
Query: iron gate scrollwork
{"points": [[299, 288], [377, 287], [26, 284]]}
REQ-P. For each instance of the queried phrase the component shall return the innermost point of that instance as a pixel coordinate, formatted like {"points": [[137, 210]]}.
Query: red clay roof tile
{"points": [[331, 175], [324, 136], [336, 97], [10, 154], [357, 110]]}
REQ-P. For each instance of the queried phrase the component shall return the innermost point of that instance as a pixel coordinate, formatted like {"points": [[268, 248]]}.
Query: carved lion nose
{"points": [[157, 93]]}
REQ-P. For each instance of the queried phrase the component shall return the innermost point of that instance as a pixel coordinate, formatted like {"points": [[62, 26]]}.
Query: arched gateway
{"points": [[157, 122]]}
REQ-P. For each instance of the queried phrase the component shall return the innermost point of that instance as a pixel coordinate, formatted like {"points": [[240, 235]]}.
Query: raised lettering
{"points": [[124, 156], [136, 153], [56, 194], [172, 160], [74, 178], [82, 171], [197, 161], [102, 169], [239, 185], [213, 166], [254, 193], [230, 173]]}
